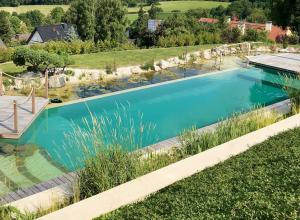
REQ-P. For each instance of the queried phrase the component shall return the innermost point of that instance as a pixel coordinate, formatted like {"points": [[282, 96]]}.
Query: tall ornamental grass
{"points": [[113, 165], [194, 142]]}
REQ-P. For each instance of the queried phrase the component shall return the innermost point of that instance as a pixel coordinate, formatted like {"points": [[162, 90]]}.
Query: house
{"points": [[273, 31], [209, 20], [153, 24], [2, 44], [22, 37], [56, 32]]}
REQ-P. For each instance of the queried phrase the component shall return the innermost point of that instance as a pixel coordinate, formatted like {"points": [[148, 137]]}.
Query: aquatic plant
{"points": [[194, 142]]}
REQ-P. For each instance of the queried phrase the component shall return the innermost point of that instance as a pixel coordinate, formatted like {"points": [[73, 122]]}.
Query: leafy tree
{"points": [[110, 21], [15, 24], [56, 15], [286, 13], [154, 11], [218, 11], [254, 35], [39, 60], [32, 18], [231, 35], [6, 31], [82, 14], [257, 16], [241, 9], [152, 2]]}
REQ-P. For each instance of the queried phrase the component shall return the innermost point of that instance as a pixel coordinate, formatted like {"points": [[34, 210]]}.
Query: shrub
{"points": [[111, 167], [6, 54], [148, 66]]}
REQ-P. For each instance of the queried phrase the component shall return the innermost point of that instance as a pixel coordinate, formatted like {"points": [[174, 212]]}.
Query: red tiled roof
{"points": [[275, 32], [209, 20], [272, 35]]}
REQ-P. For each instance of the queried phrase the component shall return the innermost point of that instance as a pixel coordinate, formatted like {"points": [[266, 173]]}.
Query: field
{"points": [[262, 183], [183, 6], [168, 7], [45, 9], [130, 57]]}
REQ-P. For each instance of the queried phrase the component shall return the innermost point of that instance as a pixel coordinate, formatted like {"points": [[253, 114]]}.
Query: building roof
{"points": [[209, 20], [272, 35], [2, 44], [22, 37], [52, 32]]}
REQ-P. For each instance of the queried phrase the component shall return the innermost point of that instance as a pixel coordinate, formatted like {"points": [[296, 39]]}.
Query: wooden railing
{"points": [[16, 106]]}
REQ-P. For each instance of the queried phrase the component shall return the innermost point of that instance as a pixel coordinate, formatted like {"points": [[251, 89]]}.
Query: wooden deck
{"points": [[286, 61], [25, 116]]}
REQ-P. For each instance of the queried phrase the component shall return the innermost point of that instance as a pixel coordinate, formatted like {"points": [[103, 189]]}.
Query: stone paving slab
{"points": [[25, 115], [286, 61]]}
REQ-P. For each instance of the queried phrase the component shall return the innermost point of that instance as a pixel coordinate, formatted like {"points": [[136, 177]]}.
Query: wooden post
{"points": [[16, 123], [33, 100], [1, 84], [46, 84]]}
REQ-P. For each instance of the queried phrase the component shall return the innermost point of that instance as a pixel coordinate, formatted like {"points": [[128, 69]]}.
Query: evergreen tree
{"points": [[82, 14], [153, 11], [6, 31], [140, 26], [111, 21]]}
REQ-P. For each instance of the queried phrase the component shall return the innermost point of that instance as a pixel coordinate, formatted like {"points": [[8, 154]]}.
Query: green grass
{"points": [[168, 7], [183, 6], [130, 57], [121, 58], [262, 183], [11, 68], [45, 9]]}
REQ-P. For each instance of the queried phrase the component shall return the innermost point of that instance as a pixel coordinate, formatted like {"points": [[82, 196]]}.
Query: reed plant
{"points": [[193, 141]]}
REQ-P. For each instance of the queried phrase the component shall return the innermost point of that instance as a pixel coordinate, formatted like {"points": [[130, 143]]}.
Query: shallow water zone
{"points": [[60, 138]]}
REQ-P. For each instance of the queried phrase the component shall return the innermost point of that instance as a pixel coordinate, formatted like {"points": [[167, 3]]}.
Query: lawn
{"points": [[262, 183], [45, 9], [183, 6], [120, 58], [130, 57], [168, 7], [11, 68]]}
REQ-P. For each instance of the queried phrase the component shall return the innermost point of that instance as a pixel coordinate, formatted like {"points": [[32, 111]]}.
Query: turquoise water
{"points": [[169, 109]]}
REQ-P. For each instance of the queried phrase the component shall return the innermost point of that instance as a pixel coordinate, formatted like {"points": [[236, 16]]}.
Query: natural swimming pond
{"points": [[142, 116]]}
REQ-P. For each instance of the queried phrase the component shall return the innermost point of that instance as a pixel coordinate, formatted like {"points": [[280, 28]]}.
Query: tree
{"points": [[286, 13], [32, 18], [153, 11], [82, 14], [56, 15], [254, 35], [257, 16], [152, 2], [15, 24], [6, 31], [241, 9], [140, 26], [231, 35], [39, 60], [110, 21]]}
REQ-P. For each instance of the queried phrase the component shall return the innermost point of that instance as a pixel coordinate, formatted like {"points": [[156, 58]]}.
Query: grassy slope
{"points": [[262, 183], [45, 9], [130, 57], [121, 58], [183, 5], [166, 6]]}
